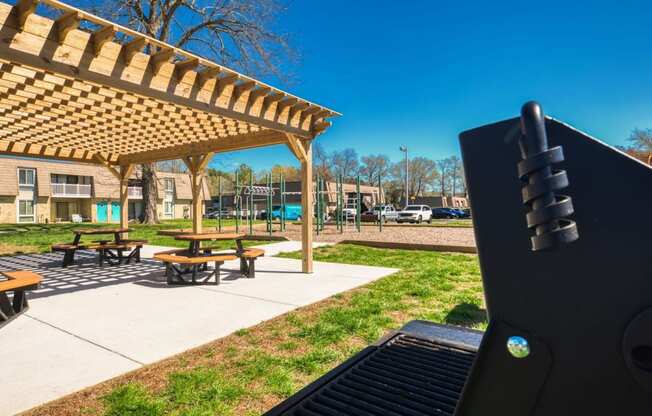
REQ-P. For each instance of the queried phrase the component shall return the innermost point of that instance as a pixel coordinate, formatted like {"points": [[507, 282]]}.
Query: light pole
{"points": [[404, 149]]}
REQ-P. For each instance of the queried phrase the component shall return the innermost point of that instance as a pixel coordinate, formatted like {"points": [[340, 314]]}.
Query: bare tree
{"points": [[641, 139], [444, 166], [641, 147], [322, 161], [423, 171], [455, 173], [346, 162], [374, 166], [290, 173], [240, 34]]}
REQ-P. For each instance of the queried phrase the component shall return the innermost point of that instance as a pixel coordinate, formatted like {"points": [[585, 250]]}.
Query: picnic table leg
{"points": [[67, 257], [194, 273], [6, 310], [121, 257], [194, 248], [20, 301], [208, 252], [251, 272], [168, 273], [101, 254], [238, 252], [217, 272]]}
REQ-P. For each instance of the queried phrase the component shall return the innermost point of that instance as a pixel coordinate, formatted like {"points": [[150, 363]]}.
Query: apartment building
{"points": [[39, 191]]}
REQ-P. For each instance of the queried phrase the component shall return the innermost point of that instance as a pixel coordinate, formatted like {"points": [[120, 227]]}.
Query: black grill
{"points": [[406, 376]]}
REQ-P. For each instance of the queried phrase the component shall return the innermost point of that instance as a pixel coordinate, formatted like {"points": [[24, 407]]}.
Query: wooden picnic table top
{"points": [[209, 237], [18, 279], [92, 231]]}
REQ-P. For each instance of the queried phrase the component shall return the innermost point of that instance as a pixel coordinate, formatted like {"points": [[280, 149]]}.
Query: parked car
{"points": [[388, 212], [463, 212], [291, 213], [214, 213], [415, 214], [445, 213], [349, 212]]}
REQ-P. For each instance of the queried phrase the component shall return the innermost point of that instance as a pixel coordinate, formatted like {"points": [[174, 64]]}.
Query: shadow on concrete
{"points": [[83, 275]]}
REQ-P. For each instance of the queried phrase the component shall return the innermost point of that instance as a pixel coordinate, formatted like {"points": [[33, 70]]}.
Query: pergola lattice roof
{"points": [[70, 93]]}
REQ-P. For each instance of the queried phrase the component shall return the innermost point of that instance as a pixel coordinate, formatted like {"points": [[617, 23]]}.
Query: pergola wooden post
{"points": [[125, 173], [122, 174], [302, 150], [196, 167], [69, 92]]}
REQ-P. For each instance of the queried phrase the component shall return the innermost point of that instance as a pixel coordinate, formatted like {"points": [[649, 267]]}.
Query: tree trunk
{"points": [[150, 194]]}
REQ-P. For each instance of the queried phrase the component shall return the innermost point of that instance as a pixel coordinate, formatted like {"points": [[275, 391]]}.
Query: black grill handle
{"points": [[547, 210]]}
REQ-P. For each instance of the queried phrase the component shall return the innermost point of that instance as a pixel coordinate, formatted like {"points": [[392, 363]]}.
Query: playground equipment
{"points": [[550, 349], [246, 197]]}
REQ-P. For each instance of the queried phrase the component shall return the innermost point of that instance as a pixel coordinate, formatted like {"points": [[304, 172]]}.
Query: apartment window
{"points": [[168, 201], [25, 211], [26, 177], [169, 185], [168, 208]]}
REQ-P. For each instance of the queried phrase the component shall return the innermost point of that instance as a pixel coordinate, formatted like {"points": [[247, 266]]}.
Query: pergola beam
{"points": [[45, 152], [226, 144], [67, 22], [23, 9], [101, 37]]}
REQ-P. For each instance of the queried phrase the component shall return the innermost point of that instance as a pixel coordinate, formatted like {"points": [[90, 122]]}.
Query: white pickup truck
{"points": [[415, 214], [388, 212]]}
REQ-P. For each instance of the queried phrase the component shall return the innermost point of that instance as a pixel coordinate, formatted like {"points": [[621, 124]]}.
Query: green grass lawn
{"points": [[37, 238], [250, 371]]}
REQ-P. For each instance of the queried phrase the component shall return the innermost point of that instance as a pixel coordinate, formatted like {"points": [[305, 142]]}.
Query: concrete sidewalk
{"points": [[87, 324]]}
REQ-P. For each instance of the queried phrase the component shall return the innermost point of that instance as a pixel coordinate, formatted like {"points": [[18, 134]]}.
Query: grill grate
{"points": [[407, 376]]}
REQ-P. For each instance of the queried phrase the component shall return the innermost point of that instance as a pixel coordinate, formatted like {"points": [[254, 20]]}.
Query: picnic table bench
{"points": [[248, 259], [69, 250], [17, 282], [112, 252], [191, 264]]}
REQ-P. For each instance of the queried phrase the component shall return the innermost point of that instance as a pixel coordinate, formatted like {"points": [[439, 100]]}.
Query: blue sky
{"points": [[419, 72]]}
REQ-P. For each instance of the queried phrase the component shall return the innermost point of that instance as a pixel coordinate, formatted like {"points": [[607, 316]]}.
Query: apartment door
{"points": [[102, 214], [115, 211], [62, 211]]}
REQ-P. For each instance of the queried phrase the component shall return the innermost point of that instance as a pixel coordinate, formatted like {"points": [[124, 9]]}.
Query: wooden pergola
{"points": [[70, 90]]}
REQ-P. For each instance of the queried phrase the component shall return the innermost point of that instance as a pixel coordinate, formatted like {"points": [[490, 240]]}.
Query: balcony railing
{"points": [[71, 190], [135, 192]]}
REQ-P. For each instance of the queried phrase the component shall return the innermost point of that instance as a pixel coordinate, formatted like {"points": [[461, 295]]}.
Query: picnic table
{"points": [[194, 241], [116, 231], [16, 282], [196, 257], [110, 251]]}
